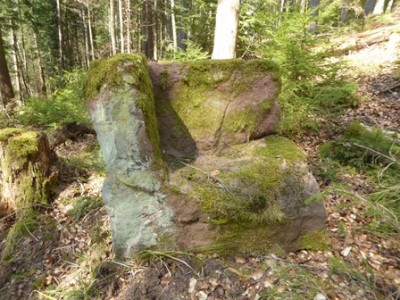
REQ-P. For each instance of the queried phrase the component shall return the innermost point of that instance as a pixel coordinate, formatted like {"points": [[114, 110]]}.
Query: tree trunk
{"points": [[60, 34], [149, 47], [42, 77], [85, 35], [128, 26], [314, 14], [343, 13], [90, 30], [173, 23], [379, 7], [369, 7], [111, 28], [389, 6], [155, 30], [14, 54], [121, 27], [226, 26], [6, 89]]}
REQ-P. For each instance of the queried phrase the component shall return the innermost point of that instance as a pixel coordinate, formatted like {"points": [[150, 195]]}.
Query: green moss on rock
{"points": [[249, 191], [122, 72], [207, 89]]}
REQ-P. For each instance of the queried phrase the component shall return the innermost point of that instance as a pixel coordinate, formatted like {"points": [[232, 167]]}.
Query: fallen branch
{"points": [[364, 39]]}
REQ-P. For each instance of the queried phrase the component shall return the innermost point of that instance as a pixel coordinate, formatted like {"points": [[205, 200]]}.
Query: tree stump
{"points": [[25, 159]]}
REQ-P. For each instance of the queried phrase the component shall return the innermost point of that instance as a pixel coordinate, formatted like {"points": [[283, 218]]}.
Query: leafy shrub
{"points": [[65, 106], [312, 87], [377, 154], [192, 52]]}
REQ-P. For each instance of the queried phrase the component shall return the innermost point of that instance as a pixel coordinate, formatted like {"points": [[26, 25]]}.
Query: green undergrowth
{"points": [[83, 205], [34, 226], [90, 159], [376, 155], [314, 88], [293, 282], [65, 105]]}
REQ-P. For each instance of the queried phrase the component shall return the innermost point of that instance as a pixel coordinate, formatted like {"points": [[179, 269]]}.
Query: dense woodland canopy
{"points": [[41, 39]]}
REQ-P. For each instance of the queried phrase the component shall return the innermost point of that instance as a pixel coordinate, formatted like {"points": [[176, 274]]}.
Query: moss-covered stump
{"points": [[25, 180], [254, 198], [121, 106], [25, 159], [214, 104]]}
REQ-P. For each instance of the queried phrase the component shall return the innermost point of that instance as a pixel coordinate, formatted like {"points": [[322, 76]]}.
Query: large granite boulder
{"points": [[189, 161]]}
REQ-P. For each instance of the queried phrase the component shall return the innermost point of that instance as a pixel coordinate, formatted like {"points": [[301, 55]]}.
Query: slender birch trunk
{"points": [[14, 55], [60, 34], [173, 23], [226, 27], [90, 30], [121, 27], [128, 26], [111, 27]]}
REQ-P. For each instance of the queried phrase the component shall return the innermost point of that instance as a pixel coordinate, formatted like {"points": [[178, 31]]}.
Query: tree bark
{"points": [[88, 6], [128, 26], [111, 27], [226, 27], [379, 7], [6, 89], [314, 14], [60, 34], [343, 13], [42, 77], [369, 7], [149, 45], [173, 24], [121, 27], [14, 54], [85, 35]]}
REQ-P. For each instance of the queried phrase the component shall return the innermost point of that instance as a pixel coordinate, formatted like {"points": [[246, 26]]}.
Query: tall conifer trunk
{"points": [[6, 89]]}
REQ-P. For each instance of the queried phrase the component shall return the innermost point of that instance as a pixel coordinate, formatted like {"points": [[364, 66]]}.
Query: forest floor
{"points": [[76, 260]]}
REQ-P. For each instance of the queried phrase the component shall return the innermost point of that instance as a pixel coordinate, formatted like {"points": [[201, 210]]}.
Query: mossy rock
{"points": [[253, 195], [121, 75], [121, 107], [228, 186], [215, 103]]}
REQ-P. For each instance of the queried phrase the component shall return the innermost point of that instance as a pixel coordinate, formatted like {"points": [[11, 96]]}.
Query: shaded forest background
{"points": [[44, 40]]}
